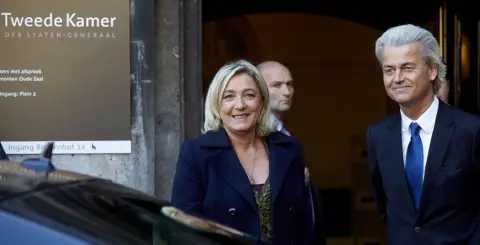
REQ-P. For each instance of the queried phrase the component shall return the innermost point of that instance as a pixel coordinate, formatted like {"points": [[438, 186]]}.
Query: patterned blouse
{"points": [[264, 202]]}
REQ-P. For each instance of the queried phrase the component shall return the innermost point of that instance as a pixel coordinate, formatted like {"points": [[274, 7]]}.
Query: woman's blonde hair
{"points": [[213, 122]]}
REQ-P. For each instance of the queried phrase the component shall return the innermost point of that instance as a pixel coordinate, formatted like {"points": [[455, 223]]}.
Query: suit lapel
{"points": [[395, 154], [280, 157], [442, 132]]}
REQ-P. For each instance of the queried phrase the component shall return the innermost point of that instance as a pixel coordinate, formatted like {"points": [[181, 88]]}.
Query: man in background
{"points": [[280, 86]]}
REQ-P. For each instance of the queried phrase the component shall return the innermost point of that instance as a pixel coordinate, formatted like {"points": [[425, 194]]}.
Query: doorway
{"points": [[338, 92]]}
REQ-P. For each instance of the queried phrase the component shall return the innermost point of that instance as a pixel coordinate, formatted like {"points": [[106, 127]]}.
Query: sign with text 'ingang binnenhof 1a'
{"points": [[65, 76]]}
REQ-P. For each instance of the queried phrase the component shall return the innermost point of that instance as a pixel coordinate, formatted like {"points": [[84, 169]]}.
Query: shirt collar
{"points": [[277, 122], [426, 121]]}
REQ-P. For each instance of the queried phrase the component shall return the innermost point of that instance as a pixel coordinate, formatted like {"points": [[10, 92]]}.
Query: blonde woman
{"points": [[241, 172]]}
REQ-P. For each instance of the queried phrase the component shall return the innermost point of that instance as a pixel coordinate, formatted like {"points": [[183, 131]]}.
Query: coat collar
{"points": [[219, 139], [444, 117]]}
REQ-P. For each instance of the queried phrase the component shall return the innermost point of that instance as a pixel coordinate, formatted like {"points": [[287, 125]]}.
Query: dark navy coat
{"points": [[210, 182]]}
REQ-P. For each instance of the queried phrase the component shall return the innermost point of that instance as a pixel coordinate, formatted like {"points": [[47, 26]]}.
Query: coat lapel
{"points": [[226, 164], [395, 154], [280, 156], [442, 132]]}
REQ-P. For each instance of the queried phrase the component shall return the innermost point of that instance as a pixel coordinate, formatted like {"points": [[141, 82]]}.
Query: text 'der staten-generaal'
{"points": [[15, 76]]}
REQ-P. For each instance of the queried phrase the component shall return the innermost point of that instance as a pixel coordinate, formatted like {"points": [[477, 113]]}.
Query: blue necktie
{"points": [[414, 164]]}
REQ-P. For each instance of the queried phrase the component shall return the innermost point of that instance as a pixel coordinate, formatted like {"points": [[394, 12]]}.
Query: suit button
{"points": [[232, 211], [417, 229]]}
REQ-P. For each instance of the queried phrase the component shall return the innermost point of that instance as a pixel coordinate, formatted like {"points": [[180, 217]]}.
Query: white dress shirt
{"points": [[426, 122]]}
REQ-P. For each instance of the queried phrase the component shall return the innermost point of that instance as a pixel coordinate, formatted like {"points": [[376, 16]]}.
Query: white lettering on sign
{"points": [[69, 20]]}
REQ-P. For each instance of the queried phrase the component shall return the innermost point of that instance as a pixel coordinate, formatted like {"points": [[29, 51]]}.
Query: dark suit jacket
{"points": [[210, 182], [449, 209], [3, 155]]}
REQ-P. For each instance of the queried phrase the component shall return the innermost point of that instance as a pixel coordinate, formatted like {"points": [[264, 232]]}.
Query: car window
{"points": [[110, 214], [11, 227]]}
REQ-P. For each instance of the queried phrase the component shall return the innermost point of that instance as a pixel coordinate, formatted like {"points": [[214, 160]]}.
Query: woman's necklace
{"points": [[252, 180]]}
